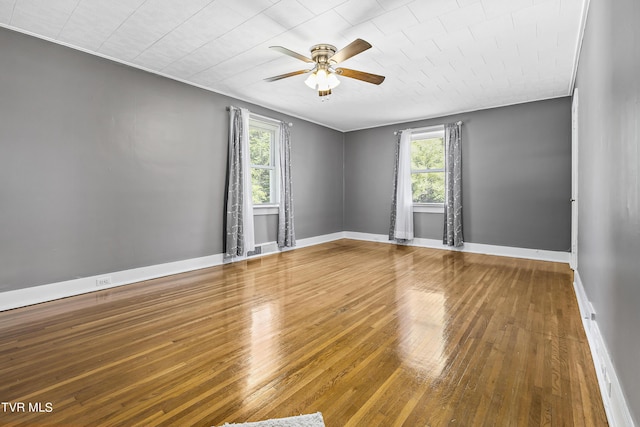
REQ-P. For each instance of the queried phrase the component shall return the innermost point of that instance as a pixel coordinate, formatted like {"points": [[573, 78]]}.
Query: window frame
{"points": [[271, 125], [420, 134]]}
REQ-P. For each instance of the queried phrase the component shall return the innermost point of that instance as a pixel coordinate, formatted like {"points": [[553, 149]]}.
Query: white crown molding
{"points": [[161, 74], [576, 57]]}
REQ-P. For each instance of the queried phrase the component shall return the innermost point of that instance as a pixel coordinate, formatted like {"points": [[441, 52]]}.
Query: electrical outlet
{"points": [[103, 281]]}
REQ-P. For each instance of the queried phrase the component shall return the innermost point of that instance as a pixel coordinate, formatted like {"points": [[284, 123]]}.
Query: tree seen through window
{"points": [[427, 170], [262, 158]]}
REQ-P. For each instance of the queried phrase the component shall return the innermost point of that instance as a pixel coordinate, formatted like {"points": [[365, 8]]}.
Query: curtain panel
{"points": [[239, 216], [286, 230], [401, 227], [453, 185]]}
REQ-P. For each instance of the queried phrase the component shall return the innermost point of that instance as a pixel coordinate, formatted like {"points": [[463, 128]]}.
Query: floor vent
{"points": [[256, 251]]}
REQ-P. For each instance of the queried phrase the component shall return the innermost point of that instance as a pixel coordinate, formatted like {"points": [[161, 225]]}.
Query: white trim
{"points": [[448, 115], [269, 125], [317, 240], [428, 208], [574, 179], [271, 107], [268, 248], [615, 405], [38, 294], [576, 58], [424, 132], [428, 132], [272, 247], [158, 73], [379, 238], [537, 254], [53, 291], [272, 123], [265, 210]]}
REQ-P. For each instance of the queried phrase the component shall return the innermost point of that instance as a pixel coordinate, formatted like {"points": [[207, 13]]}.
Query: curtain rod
{"points": [[459, 122], [260, 116]]}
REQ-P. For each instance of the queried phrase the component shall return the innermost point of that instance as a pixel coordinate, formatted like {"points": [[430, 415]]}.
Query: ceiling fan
{"points": [[325, 57]]}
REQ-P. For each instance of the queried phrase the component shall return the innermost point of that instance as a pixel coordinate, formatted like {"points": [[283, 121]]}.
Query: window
{"points": [[263, 137], [427, 166]]}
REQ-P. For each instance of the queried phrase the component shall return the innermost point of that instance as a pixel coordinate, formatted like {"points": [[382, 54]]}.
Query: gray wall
{"points": [[104, 167], [516, 177], [609, 182]]}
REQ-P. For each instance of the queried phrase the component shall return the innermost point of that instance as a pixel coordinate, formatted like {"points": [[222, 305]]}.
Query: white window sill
{"points": [[428, 208], [265, 210]]}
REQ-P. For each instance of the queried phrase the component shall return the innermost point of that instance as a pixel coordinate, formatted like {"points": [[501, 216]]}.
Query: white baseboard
{"points": [[310, 241], [49, 292], [53, 291], [615, 404], [268, 248], [537, 254], [38, 294]]}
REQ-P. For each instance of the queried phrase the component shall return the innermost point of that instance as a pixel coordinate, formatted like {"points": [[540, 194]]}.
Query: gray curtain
{"points": [[453, 185], [286, 230], [394, 197], [239, 207]]}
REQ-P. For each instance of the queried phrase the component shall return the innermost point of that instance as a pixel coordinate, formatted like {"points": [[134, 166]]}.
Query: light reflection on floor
{"points": [[421, 324], [264, 344]]}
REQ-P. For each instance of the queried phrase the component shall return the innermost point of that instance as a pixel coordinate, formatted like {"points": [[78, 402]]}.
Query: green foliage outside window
{"points": [[261, 184], [260, 147], [427, 170]]}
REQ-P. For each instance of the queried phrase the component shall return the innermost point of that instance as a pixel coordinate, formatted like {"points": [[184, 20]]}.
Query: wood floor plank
{"points": [[369, 334]]}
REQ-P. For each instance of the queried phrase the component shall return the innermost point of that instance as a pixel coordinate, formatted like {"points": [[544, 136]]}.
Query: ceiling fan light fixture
{"points": [[332, 80], [322, 81], [312, 81], [323, 77]]}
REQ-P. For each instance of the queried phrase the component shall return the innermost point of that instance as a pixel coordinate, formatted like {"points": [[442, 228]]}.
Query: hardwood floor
{"points": [[368, 334]]}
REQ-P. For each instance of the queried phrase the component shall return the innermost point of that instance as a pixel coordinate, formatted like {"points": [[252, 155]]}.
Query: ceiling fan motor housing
{"points": [[321, 53]]}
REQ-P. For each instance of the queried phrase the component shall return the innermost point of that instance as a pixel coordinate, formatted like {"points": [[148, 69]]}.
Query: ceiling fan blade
{"points": [[355, 47], [284, 76], [292, 54], [360, 75]]}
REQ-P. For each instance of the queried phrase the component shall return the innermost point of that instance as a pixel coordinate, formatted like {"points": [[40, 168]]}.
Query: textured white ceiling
{"points": [[439, 56]]}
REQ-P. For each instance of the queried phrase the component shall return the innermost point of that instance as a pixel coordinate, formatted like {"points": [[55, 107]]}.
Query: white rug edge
{"points": [[306, 420]]}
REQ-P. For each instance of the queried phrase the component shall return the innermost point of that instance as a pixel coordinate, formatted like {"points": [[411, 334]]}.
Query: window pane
{"points": [[260, 146], [428, 187], [261, 185], [427, 154]]}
